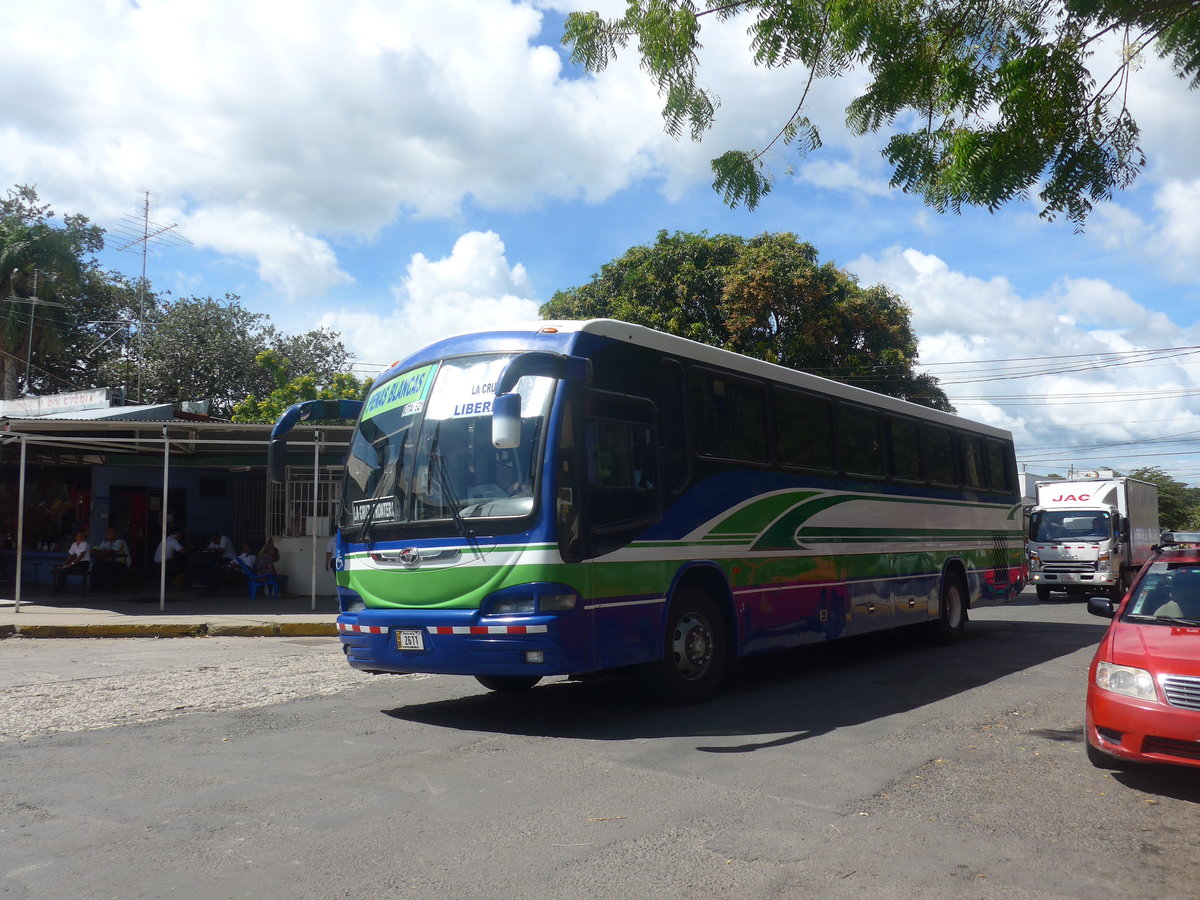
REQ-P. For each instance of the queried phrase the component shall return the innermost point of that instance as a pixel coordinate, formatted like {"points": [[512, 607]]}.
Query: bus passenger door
{"points": [[621, 500]]}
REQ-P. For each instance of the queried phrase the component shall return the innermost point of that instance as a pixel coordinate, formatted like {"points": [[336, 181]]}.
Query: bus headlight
{"points": [[556, 602], [511, 606], [530, 599]]}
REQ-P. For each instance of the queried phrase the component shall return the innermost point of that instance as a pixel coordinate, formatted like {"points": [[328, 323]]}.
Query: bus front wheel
{"points": [[695, 651], [952, 618], [508, 684]]}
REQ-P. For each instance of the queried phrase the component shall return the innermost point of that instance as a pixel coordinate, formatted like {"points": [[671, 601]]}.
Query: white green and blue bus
{"points": [[595, 496]]}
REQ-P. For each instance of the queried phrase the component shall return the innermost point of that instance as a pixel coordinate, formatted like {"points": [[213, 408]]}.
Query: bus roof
{"points": [[702, 353]]}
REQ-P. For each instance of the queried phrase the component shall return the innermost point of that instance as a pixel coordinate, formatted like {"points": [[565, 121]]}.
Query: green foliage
{"points": [[988, 101], [297, 389], [43, 268], [767, 297]]}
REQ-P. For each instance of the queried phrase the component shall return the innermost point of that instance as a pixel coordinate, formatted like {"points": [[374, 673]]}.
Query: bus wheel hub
{"points": [[692, 646]]}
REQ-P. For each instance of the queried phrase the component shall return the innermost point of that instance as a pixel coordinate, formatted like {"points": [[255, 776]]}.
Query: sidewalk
{"points": [[135, 613]]}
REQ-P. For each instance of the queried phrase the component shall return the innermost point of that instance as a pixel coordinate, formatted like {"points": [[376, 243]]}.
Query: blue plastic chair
{"points": [[256, 580]]}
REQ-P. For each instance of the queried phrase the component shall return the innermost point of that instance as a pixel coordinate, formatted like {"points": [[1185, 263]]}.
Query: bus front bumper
{"points": [[462, 642]]}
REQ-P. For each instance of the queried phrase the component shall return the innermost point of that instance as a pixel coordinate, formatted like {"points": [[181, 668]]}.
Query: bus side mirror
{"points": [[506, 421]]}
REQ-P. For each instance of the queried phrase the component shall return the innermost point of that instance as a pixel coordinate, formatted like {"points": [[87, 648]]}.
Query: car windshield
{"points": [[1168, 592], [423, 448], [1070, 525]]}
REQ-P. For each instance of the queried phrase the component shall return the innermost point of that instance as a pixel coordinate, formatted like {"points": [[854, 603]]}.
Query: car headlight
{"points": [[1136, 683]]}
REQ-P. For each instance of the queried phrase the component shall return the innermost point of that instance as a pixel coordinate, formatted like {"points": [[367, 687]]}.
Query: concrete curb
{"points": [[165, 630]]}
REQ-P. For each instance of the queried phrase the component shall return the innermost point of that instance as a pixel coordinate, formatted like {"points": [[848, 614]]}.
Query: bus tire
{"points": [[951, 622], [695, 651], [508, 684]]}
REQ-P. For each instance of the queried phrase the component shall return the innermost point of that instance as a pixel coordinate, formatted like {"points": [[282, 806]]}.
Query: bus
{"points": [[579, 497]]}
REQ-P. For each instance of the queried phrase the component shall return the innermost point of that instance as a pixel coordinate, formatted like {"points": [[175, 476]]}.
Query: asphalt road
{"points": [[886, 768]]}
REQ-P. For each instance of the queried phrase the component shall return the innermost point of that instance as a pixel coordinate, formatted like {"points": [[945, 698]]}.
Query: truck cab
{"points": [[1088, 537]]}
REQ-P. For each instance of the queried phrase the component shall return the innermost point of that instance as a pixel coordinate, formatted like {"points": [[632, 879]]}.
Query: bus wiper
{"points": [[446, 483]]}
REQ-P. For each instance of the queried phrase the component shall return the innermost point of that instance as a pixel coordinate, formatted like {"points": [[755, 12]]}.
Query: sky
{"points": [[400, 170]]}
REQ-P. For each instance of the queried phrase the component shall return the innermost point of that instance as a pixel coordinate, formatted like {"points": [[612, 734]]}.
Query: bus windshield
{"points": [[423, 448]]}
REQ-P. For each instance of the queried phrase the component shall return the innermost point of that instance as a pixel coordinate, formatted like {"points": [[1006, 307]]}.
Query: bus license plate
{"points": [[410, 640]]}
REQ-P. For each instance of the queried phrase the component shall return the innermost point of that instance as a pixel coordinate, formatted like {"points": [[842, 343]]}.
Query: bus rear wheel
{"points": [[695, 651], [508, 684], [952, 619]]}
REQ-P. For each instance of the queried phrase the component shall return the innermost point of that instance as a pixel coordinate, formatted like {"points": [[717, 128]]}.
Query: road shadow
{"points": [[801, 693], [1175, 782]]}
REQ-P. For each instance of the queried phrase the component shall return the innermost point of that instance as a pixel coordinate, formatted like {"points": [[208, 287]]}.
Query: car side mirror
{"points": [[1101, 606]]}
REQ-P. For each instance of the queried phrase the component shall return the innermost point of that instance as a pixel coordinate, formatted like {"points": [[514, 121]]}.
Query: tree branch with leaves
{"points": [[989, 100]]}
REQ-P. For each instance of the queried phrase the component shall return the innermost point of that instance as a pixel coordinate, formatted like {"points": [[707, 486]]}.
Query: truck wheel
{"points": [[1043, 594], [695, 651], [508, 684], [952, 618]]}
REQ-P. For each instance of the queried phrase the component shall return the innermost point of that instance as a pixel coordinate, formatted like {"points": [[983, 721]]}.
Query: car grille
{"points": [[1171, 747], [1069, 567], [1182, 691]]}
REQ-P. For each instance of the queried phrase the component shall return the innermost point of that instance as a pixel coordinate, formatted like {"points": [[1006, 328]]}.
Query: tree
{"points": [[202, 349], [1176, 501], [999, 97], [42, 269], [767, 297], [296, 388]]}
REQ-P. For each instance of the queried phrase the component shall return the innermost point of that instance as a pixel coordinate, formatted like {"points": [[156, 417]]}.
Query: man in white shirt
{"points": [[79, 561], [174, 554], [109, 558]]}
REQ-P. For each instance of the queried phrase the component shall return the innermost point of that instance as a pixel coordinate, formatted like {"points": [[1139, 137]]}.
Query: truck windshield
{"points": [[1070, 525], [423, 448]]}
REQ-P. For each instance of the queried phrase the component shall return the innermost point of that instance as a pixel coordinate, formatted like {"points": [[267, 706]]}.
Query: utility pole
{"points": [[141, 231]]}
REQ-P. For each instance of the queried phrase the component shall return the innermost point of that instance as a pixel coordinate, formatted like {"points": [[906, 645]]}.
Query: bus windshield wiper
{"points": [[446, 483]]}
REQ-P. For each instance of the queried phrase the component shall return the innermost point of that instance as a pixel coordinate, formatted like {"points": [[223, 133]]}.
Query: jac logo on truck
{"points": [[1076, 498]]}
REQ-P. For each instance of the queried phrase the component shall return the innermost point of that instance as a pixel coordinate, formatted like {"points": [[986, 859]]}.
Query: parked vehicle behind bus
{"points": [[581, 497]]}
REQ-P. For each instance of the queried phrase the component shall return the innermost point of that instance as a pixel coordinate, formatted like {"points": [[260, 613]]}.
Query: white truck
{"points": [[1090, 535]]}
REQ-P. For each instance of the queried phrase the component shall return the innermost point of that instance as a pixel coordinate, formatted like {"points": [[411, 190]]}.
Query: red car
{"points": [[1143, 696]]}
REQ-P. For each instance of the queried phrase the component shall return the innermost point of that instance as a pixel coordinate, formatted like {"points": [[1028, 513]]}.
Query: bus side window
{"points": [[906, 451], [937, 447], [804, 430], [622, 469], [672, 410], [860, 448]]}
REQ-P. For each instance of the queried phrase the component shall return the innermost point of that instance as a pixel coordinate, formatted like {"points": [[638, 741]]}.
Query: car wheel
{"points": [[508, 684], [1043, 594], [695, 651], [951, 622]]}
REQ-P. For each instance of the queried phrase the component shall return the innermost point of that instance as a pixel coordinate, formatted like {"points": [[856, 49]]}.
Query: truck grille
{"points": [[1182, 691], [1072, 568]]}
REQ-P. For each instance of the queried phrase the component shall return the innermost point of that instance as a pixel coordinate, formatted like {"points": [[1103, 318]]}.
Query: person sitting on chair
{"points": [[110, 559], [268, 556], [173, 554], [79, 561]]}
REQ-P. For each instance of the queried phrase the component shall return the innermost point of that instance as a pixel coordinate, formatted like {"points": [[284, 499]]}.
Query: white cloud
{"points": [[1036, 385], [474, 287]]}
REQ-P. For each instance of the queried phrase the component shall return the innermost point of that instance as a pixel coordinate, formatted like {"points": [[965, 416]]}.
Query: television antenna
{"points": [[141, 231]]}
